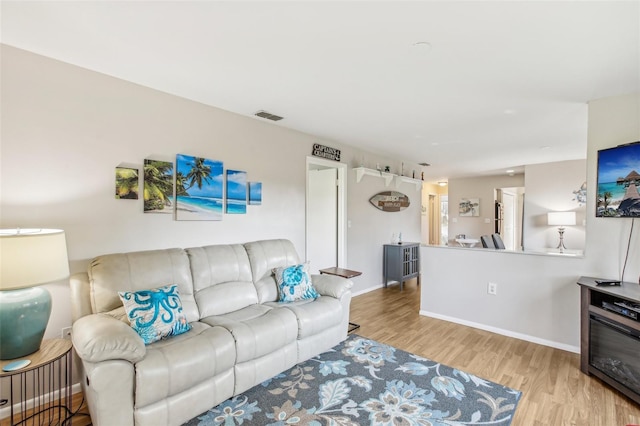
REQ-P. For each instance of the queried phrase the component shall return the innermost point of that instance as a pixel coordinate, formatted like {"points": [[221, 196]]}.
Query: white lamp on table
{"points": [[561, 219]]}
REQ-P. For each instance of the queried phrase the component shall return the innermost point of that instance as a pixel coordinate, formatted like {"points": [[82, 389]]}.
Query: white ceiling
{"points": [[501, 84]]}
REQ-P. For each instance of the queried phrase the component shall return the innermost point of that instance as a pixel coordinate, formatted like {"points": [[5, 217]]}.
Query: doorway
{"points": [[509, 202], [434, 222], [444, 220], [325, 242]]}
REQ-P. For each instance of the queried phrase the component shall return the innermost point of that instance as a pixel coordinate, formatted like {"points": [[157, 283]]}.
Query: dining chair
{"points": [[487, 241], [497, 241]]}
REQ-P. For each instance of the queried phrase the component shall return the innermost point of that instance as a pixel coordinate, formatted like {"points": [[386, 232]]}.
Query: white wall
{"points": [[537, 296], [65, 129], [371, 227], [549, 187]]}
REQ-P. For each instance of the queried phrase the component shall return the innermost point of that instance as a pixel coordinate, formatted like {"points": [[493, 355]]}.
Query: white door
{"points": [[509, 204], [325, 216]]}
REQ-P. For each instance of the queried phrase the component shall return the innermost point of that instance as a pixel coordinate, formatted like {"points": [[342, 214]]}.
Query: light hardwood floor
{"points": [[555, 392]]}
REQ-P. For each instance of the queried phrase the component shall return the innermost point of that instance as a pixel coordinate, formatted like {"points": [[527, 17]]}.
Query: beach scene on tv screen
{"points": [[619, 182]]}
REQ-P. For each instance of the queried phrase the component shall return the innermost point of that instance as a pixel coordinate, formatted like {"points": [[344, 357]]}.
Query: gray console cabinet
{"points": [[401, 262]]}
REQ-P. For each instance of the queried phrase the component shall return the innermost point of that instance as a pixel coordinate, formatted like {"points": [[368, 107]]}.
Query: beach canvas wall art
{"points": [[236, 192], [469, 207], [158, 187], [255, 193], [127, 183], [619, 181], [199, 188]]}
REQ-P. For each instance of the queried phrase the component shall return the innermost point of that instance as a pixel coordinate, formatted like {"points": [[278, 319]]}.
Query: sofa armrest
{"points": [[80, 296], [99, 337], [331, 285]]}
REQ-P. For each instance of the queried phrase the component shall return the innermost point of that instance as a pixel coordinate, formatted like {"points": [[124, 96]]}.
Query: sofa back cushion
{"points": [[141, 270], [264, 256], [221, 279]]}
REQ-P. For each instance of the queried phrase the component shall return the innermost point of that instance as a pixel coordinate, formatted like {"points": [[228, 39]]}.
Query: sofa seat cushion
{"points": [[171, 366], [314, 316], [258, 330]]}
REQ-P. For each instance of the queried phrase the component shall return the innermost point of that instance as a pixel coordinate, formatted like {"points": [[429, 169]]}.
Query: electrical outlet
{"points": [[492, 288], [66, 333]]}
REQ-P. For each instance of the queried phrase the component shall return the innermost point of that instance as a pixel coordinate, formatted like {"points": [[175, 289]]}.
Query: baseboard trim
{"points": [[5, 412], [503, 332], [367, 290]]}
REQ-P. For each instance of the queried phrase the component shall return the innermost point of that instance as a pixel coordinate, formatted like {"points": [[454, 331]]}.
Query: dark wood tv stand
{"points": [[592, 298]]}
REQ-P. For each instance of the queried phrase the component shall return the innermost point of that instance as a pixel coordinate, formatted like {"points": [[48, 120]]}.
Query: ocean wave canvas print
{"points": [[199, 187], [255, 193], [236, 192]]}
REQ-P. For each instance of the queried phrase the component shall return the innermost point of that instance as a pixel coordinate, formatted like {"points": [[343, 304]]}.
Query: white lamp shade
{"points": [[561, 218], [30, 257]]}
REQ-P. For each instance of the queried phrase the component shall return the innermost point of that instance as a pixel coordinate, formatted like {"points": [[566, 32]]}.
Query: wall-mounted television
{"points": [[619, 181]]}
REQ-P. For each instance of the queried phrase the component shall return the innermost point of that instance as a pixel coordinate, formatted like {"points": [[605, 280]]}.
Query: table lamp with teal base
{"points": [[28, 257]]}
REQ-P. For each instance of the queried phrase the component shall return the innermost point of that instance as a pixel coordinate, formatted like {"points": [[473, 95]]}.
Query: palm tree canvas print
{"points": [[236, 192], [198, 188], [255, 193], [126, 183], [158, 186]]}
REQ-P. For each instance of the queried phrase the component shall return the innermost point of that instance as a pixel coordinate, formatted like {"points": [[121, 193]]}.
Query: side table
{"points": [[40, 393], [344, 273]]}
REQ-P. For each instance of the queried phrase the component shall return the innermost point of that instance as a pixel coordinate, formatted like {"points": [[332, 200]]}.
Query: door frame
{"points": [[341, 183]]}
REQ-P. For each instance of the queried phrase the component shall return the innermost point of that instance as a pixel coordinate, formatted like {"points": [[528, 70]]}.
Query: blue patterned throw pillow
{"points": [[155, 314], [294, 283]]}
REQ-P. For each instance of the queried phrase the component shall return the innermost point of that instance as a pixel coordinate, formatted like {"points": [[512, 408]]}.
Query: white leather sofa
{"points": [[240, 335]]}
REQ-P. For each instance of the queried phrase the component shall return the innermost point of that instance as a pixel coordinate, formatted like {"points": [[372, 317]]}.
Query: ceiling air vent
{"points": [[268, 115]]}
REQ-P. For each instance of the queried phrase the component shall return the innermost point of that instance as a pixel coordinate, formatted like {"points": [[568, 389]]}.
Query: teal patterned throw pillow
{"points": [[155, 314], [294, 283]]}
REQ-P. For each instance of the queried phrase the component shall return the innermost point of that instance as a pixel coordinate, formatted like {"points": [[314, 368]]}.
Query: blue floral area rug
{"points": [[363, 382]]}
